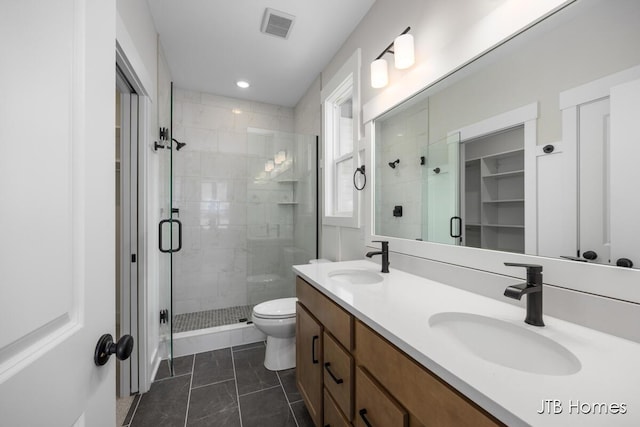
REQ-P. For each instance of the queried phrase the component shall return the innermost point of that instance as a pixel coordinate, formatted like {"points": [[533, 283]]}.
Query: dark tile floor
{"points": [[225, 388]]}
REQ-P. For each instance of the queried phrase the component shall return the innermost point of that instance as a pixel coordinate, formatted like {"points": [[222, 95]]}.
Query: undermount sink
{"points": [[356, 277], [506, 344]]}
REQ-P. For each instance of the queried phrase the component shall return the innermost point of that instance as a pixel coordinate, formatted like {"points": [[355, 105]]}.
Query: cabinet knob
{"points": [[624, 262]]}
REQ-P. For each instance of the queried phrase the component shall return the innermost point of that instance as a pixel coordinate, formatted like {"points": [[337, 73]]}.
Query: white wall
{"points": [[435, 25]]}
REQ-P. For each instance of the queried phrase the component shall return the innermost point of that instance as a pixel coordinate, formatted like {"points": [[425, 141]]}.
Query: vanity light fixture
{"points": [[242, 84], [236, 111], [404, 57]]}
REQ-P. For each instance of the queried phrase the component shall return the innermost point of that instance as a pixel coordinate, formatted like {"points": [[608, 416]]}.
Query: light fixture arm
{"points": [[388, 48]]}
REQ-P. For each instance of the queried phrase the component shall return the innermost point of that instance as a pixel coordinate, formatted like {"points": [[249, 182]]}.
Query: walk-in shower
{"points": [[245, 192]]}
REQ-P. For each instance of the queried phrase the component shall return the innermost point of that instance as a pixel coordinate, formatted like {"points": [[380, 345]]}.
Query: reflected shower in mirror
{"points": [[532, 148]]}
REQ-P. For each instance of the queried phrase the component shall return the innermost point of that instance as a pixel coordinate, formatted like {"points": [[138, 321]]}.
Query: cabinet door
{"points": [[375, 406], [309, 362], [338, 374]]}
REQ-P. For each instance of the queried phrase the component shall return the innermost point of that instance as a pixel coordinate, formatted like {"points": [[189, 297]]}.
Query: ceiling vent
{"points": [[277, 23]]}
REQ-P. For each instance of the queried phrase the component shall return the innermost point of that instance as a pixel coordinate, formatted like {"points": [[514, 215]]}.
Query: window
{"points": [[341, 105]]}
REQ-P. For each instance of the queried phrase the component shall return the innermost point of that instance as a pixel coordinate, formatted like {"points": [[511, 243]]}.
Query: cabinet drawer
{"points": [[429, 399], [374, 406], [338, 374], [332, 415], [334, 319]]}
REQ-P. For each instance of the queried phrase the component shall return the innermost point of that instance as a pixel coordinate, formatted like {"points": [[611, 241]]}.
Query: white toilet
{"points": [[277, 319]]}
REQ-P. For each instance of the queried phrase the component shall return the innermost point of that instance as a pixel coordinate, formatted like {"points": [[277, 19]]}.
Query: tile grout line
{"points": [[295, 420], [214, 383], [258, 391], [170, 378], [235, 380], [193, 368]]}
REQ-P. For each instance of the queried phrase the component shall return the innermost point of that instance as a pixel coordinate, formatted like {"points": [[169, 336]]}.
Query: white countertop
{"points": [[399, 307]]}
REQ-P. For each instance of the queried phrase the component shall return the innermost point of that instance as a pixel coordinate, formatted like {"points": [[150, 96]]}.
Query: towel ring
{"points": [[361, 170]]}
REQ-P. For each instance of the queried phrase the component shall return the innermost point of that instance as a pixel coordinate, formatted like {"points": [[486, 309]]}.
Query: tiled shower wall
{"points": [[402, 137], [230, 219]]}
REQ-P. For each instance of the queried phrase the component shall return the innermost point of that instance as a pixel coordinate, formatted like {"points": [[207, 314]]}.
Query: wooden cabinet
{"points": [[347, 373], [309, 362], [430, 400]]}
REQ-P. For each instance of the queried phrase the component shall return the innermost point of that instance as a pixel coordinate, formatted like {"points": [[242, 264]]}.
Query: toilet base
{"points": [[280, 353]]}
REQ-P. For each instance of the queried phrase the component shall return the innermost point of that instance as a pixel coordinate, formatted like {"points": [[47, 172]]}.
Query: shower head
{"points": [[394, 163], [179, 144]]}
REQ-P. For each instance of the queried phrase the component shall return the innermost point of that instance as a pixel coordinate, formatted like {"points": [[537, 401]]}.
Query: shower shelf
{"points": [[286, 180]]}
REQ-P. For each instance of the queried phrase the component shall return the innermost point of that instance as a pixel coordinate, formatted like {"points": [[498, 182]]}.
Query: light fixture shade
{"points": [[403, 51], [379, 73], [269, 166]]}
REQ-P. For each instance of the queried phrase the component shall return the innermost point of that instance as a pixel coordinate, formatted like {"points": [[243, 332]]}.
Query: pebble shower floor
{"points": [[211, 318]]}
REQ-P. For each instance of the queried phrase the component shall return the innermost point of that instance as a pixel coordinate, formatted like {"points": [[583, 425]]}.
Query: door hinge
{"points": [[133, 258], [164, 316]]}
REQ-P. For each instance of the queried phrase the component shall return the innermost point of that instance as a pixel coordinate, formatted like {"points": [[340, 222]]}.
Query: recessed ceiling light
{"points": [[242, 84]]}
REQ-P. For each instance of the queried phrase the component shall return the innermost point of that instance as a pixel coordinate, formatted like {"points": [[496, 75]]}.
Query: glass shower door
{"points": [[441, 181], [166, 239]]}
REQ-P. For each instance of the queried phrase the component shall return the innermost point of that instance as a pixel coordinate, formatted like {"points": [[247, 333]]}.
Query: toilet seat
{"points": [[282, 308]]}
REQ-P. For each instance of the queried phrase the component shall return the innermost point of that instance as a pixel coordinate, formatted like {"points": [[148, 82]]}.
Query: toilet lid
{"points": [[276, 309]]}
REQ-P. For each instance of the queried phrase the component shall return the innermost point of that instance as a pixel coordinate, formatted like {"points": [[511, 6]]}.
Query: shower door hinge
{"points": [[133, 258], [164, 316], [164, 134]]}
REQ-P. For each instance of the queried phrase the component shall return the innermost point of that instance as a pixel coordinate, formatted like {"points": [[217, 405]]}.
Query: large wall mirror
{"points": [[532, 149]]}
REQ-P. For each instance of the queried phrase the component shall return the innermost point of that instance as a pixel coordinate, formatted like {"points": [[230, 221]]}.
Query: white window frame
{"points": [[343, 85]]}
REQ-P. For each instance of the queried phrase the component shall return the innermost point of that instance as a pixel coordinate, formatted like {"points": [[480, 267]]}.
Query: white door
{"points": [[57, 195], [594, 189], [625, 173]]}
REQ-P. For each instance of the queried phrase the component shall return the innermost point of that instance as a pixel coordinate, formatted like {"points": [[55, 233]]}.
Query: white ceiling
{"points": [[210, 44]]}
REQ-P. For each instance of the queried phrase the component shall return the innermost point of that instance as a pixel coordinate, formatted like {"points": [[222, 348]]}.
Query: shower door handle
{"points": [[170, 222]]}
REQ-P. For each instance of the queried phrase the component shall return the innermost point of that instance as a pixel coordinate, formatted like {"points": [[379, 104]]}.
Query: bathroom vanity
{"points": [[396, 349]]}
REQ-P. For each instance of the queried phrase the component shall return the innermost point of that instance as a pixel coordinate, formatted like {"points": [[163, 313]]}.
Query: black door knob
{"points": [[106, 347], [624, 262], [590, 255]]}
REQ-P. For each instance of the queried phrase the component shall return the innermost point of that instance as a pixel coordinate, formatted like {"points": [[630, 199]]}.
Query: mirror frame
{"points": [[507, 21]]}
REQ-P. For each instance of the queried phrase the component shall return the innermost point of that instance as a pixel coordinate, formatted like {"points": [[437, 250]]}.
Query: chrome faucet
{"points": [[384, 252], [532, 288]]}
